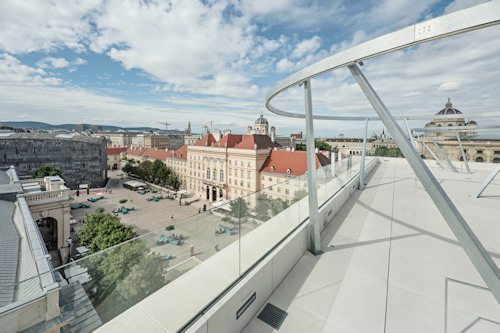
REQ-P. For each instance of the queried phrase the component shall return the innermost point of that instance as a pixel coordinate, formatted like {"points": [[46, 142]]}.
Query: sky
{"points": [[138, 63]]}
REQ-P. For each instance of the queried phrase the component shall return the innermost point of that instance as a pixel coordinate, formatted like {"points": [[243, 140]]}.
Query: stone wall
{"points": [[82, 160]]}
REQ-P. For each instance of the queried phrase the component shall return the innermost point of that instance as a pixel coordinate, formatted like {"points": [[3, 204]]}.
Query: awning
{"points": [[135, 183], [224, 204], [82, 249]]}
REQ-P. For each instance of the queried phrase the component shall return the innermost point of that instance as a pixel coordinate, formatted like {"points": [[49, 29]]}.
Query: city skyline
{"points": [[136, 63]]}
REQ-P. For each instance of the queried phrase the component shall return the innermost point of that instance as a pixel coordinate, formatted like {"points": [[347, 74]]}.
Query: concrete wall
{"points": [[269, 273], [80, 161]]}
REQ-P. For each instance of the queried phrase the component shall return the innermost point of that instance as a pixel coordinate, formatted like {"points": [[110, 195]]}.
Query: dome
{"points": [[430, 124], [261, 120], [471, 123], [448, 109]]}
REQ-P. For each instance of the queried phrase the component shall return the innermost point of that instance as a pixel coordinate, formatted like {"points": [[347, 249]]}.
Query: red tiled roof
{"points": [[135, 150], [115, 150], [180, 153], [231, 140], [261, 140], [297, 136], [296, 161], [207, 140], [154, 153]]}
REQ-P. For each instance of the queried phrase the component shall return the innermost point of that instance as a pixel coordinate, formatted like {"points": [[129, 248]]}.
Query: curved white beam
{"points": [[474, 18]]}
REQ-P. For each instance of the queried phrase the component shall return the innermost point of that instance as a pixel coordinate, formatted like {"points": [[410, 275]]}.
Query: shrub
{"points": [[123, 201], [170, 227]]}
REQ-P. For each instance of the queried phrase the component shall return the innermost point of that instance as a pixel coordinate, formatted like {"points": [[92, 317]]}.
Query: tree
{"points": [[46, 170], [238, 208], [155, 170], [278, 205], [262, 207], [102, 231], [128, 168], [174, 182], [317, 144], [163, 174], [322, 145], [148, 170], [122, 277], [299, 195]]}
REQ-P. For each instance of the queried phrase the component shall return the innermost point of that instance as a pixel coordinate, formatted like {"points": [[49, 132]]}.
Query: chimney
{"points": [[273, 134], [316, 150]]}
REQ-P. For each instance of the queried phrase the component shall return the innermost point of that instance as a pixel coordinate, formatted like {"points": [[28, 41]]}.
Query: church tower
{"points": [[261, 125]]}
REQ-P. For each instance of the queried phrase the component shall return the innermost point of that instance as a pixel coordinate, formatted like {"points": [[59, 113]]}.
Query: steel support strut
{"points": [[314, 235], [463, 153], [466, 237], [363, 156], [410, 136], [432, 153], [486, 182], [452, 167]]}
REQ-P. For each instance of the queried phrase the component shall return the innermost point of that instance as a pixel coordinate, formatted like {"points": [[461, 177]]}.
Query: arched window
{"points": [[208, 173], [496, 160], [479, 159], [215, 174]]}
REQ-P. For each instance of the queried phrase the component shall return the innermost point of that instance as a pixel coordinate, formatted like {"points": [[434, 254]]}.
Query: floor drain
{"points": [[273, 316]]}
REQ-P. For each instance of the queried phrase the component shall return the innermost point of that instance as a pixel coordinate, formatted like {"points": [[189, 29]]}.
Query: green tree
{"points": [[299, 195], [147, 165], [238, 208], [174, 182], [163, 174], [122, 277], [278, 205], [322, 145], [154, 172], [128, 168], [102, 231], [46, 170], [262, 207], [317, 144]]}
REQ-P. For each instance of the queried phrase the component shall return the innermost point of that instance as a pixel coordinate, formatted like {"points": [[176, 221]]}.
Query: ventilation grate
{"points": [[273, 316]]}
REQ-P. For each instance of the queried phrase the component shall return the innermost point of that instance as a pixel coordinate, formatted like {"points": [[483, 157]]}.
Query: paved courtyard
{"points": [[149, 219]]}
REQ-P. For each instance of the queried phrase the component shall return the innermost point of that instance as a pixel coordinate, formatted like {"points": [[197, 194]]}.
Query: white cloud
{"points": [[306, 46], [32, 25], [51, 62], [449, 86], [13, 72]]}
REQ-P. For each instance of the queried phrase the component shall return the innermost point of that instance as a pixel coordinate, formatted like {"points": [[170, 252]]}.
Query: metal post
{"points": [[486, 182], [314, 235], [363, 155], [432, 153], [452, 167], [410, 136], [463, 153], [470, 243]]}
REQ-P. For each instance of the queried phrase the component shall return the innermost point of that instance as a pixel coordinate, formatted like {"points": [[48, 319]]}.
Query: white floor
{"points": [[392, 252]]}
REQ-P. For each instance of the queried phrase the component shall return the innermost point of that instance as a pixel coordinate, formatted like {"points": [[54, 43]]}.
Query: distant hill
{"points": [[69, 127]]}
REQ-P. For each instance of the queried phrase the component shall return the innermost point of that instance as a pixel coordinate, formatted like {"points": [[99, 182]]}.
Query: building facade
{"points": [[477, 148], [81, 159]]}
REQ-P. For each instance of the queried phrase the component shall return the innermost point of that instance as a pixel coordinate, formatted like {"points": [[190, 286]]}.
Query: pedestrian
{"points": [[172, 217], [217, 247], [199, 210], [130, 200]]}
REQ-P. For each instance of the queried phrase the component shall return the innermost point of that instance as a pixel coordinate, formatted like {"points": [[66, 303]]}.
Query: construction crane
{"points": [[211, 122], [166, 125]]}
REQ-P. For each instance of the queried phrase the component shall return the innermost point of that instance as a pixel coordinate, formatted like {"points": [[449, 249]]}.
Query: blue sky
{"points": [[136, 63]]}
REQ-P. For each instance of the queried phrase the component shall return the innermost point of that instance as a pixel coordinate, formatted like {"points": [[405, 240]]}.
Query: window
{"points": [[241, 183], [497, 151], [208, 173], [479, 151], [230, 162], [235, 182], [287, 182], [241, 163], [215, 174], [230, 172], [270, 179], [230, 181], [241, 174], [248, 185], [248, 175], [263, 177], [221, 176], [287, 191], [248, 164], [270, 188], [279, 189]]}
